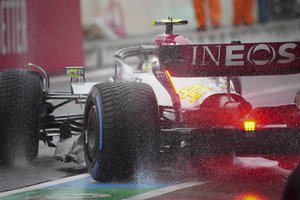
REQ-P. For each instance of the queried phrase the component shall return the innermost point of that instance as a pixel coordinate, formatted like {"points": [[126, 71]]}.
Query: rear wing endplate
{"points": [[248, 59]]}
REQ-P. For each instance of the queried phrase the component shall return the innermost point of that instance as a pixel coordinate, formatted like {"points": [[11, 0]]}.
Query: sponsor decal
{"points": [[231, 59], [193, 92], [238, 55]]}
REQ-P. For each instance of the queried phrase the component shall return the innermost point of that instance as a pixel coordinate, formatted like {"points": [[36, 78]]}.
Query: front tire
{"points": [[21, 96], [121, 131]]}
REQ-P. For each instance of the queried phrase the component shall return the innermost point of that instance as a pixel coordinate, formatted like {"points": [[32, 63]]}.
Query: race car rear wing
{"points": [[248, 59]]}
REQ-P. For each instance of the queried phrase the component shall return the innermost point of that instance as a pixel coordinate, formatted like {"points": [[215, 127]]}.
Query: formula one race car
{"points": [[166, 98]]}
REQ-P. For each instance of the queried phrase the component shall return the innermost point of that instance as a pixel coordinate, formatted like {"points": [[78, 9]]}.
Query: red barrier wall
{"points": [[45, 32]]}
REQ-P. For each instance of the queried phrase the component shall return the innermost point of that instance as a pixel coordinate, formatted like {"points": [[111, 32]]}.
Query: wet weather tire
{"points": [[21, 96], [121, 131]]}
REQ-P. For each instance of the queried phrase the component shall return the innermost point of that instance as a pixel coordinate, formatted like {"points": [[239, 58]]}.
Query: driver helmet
{"points": [[164, 39], [148, 65], [172, 39]]}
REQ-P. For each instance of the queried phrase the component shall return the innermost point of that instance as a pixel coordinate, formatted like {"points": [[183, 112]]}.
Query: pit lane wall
{"points": [[47, 33], [100, 53]]}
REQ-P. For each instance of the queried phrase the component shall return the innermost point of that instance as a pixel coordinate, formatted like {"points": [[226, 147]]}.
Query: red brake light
{"points": [[250, 196], [249, 125]]}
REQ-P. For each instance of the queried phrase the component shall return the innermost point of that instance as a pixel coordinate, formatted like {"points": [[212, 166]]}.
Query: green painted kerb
{"points": [[76, 194]]}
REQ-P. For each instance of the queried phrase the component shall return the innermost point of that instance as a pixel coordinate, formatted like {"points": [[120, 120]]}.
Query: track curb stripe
{"points": [[165, 190]]}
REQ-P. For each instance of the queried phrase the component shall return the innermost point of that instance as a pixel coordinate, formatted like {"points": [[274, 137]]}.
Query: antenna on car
{"points": [[169, 24]]}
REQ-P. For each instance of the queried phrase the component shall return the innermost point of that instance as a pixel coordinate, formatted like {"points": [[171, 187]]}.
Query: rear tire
{"points": [[21, 96], [121, 131]]}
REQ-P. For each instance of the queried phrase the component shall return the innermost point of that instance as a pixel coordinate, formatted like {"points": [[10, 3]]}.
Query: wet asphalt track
{"points": [[180, 181]]}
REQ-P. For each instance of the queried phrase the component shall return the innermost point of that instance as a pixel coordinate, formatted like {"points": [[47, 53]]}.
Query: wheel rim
{"points": [[91, 134]]}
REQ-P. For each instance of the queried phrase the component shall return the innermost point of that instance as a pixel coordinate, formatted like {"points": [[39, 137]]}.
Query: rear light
{"points": [[249, 125], [250, 196]]}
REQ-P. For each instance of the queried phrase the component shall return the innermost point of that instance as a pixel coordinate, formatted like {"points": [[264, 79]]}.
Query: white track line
{"points": [[44, 185], [165, 190]]}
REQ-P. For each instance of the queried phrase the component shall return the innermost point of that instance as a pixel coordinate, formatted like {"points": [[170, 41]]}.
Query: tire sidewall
{"points": [[91, 101]]}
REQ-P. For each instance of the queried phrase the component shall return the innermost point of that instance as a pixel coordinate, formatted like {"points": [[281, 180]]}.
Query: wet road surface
{"points": [[176, 182]]}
